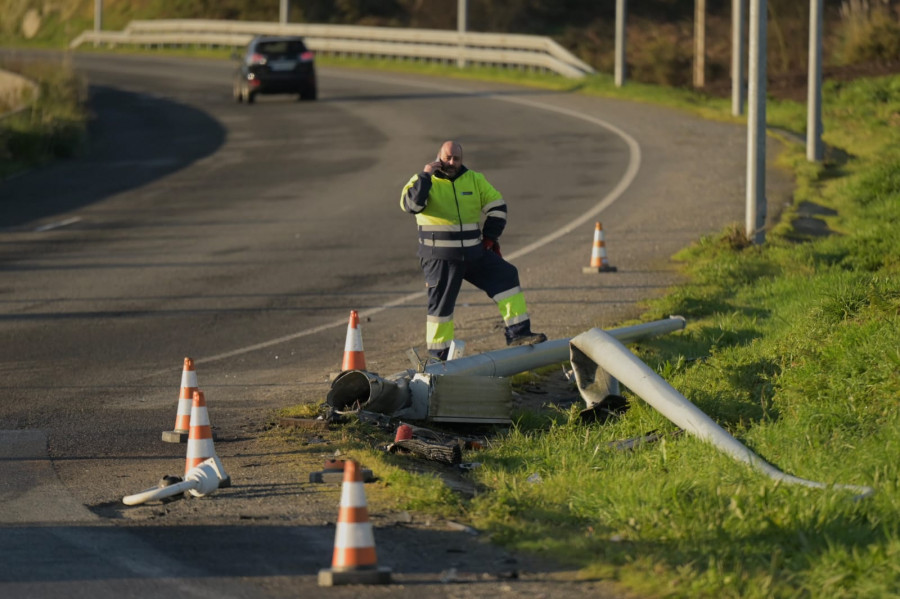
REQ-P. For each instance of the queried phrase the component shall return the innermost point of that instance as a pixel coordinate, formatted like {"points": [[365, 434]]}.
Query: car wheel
{"points": [[308, 94], [245, 93]]}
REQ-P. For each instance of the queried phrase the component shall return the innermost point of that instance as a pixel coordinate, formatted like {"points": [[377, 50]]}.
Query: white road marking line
{"points": [[57, 224]]}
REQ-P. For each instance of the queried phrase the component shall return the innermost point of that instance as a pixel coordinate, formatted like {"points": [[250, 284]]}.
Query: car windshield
{"points": [[281, 48]]}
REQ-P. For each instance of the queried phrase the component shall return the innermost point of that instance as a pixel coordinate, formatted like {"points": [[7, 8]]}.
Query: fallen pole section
{"points": [[507, 362], [597, 350], [408, 394]]}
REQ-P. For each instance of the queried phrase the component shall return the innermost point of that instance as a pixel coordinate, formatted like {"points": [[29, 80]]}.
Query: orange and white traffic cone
{"points": [[354, 560], [354, 356], [599, 261], [200, 441], [183, 417]]}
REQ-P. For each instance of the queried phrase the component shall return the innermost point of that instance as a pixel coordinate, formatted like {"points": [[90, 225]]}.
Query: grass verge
{"points": [[54, 124]]}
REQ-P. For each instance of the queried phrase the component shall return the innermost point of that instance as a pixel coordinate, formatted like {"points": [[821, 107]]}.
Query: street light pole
{"points": [[737, 57], [98, 17], [756, 125], [620, 43], [815, 150]]}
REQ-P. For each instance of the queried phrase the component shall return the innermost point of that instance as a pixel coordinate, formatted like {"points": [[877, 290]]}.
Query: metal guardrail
{"points": [[513, 50]]}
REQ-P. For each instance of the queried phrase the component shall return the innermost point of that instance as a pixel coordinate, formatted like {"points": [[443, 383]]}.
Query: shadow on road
{"points": [[133, 139], [44, 554]]}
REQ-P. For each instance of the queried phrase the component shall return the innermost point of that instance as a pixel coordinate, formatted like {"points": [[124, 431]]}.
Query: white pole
{"points": [[815, 150], [461, 19], [98, 16], [512, 360], [756, 125], [284, 11], [620, 43], [737, 57], [600, 355]]}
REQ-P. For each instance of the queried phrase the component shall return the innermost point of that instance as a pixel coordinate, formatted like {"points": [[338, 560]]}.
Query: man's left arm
{"points": [[494, 209]]}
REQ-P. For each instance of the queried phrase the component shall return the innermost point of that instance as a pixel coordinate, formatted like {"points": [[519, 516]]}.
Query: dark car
{"points": [[275, 65]]}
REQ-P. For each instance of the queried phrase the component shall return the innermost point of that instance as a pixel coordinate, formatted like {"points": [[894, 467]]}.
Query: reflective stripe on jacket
{"points": [[449, 212]]}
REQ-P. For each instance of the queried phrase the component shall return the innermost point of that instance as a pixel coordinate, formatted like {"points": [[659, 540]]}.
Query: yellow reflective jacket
{"points": [[449, 212]]}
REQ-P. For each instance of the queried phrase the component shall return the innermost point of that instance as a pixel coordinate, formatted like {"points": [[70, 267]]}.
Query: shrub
{"points": [[868, 35]]}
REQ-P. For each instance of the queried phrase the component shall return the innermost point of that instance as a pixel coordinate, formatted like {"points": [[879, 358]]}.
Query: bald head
{"points": [[450, 156], [450, 148]]}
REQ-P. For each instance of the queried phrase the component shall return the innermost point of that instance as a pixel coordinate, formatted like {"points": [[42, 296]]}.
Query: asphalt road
{"points": [[242, 236]]}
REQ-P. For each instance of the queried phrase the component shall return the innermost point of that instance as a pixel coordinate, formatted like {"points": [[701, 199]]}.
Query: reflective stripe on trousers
{"points": [[512, 306], [438, 332]]}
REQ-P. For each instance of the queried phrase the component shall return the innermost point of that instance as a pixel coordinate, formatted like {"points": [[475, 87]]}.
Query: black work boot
{"points": [[439, 354], [528, 338]]}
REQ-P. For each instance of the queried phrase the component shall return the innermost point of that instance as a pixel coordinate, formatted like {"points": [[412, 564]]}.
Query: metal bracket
{"points": [[417, 362]]}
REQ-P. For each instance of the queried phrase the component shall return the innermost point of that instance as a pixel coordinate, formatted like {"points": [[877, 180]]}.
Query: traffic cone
{"points": [[354, 357], [200, 441], [599, 261], [183, 417], [354, 560]]}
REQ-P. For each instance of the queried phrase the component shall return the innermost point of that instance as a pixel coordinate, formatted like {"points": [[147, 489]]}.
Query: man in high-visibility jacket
{"points": [[449, 201]]}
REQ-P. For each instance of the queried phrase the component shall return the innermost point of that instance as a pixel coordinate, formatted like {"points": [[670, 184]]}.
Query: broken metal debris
{"points": [[635, 442], [469, 389], [438, 452]]}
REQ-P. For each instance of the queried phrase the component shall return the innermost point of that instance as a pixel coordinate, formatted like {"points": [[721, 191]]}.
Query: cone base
{"points": [[223, 483], [175, 436], [337, 476], [330, 577], [180, 437], [593, 269]]}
